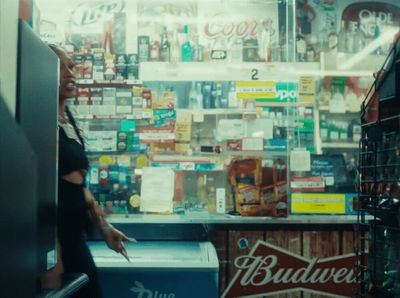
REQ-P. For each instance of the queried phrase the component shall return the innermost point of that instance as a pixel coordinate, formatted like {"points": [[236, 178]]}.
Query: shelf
{"points": [[224, 71], [231, 219], [269, 153], [327, 109], [107, 83], [235, 71], [340, 145]]}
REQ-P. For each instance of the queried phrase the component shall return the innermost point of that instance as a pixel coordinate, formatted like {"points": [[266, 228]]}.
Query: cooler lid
{"points": [[157, 254]]}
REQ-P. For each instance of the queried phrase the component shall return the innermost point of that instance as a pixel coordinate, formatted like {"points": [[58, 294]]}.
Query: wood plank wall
{"points": [[309, 243]]}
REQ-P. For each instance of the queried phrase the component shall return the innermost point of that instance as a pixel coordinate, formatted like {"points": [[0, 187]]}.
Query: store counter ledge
{"points": [[232, 219]]}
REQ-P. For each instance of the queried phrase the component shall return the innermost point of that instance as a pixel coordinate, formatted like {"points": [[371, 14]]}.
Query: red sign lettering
{"points": [[270, 270]]}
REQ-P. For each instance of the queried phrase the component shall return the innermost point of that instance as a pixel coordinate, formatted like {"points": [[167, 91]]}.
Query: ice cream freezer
{"points": [[158, 269]]}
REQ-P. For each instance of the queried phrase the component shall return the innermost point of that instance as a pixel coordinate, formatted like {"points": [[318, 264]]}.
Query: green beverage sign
{"points": [[285, 92]]}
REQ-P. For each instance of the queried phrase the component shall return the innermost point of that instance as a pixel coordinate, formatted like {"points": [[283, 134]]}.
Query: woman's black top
{"points": [[72, 208]]}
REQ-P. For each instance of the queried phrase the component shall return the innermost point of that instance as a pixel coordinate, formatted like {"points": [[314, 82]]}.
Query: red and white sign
{"points": [[157, 135], [269, 270], [307, 184]]}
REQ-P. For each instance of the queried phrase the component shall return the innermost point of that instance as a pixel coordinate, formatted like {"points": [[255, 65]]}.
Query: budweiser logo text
{"points": [[270, 270]]}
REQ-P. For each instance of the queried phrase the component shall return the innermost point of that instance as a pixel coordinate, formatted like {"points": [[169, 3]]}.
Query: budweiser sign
{"points": [[270, 270]]}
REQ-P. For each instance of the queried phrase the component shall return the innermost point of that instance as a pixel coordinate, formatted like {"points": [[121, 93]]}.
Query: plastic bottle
{"points": [[218, 95], [199, 96], [207, 96], [232, 98], [192, 97]]}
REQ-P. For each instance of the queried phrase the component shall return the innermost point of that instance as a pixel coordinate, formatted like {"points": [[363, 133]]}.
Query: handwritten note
{"points": [[157, 190]]}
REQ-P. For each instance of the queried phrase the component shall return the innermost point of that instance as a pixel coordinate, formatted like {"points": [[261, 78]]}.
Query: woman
{"points": [[76, 204]]}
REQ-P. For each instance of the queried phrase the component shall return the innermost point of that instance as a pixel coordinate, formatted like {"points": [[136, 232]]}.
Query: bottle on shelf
{"points": [[154, 50], [175, 49], [300, 47], [143, 48], [265, 40], [232, 98], [199, 96], [197, 49], [324, 129], [218, 96], [207, 95], [213, 96], [349, 40], [186, 48], [192, 97], [333, 41], [359, 41], [236, 51], [310, 53], [323, 39], [283, 44], [342, 38], [165, 47], [351, 100]]}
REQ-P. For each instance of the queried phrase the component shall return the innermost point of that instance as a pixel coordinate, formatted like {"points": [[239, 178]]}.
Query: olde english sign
{"points": [[269, 270]]}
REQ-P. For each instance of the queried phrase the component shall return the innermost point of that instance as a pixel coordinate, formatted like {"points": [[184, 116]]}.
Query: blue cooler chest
{"points": [[158, 270]]}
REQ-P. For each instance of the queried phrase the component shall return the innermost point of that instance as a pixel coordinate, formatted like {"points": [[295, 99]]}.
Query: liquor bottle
{"points": [[186, 48], [333, 42], [250, 49], [283, 44], [310, 53], [143, 48], [197, 50], [349, 41], [165, 48], [155, 50], [300, 47], [323, 39], [358, 43], [265, 41], [175, 49], [342, 39], [236, 52]]}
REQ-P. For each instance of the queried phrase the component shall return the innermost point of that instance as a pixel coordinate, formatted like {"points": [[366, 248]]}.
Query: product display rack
{"points": [[171, 49], [378, 243]]}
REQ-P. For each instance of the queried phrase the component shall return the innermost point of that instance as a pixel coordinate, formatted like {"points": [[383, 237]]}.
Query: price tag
{"points": [[188, 166]]}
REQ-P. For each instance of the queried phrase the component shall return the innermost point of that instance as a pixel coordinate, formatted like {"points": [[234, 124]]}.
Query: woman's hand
{"points": [[114, 239]]}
